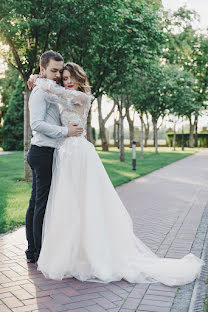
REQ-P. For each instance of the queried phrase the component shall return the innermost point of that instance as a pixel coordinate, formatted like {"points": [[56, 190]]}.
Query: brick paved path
{"points": [[166, 207]]}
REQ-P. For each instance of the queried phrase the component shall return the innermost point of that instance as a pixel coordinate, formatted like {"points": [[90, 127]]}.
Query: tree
{"points": [[120, 100], [146, 123], [31, 28], [102, 122], [103, 37], [188, 49], [200, 70], [138, 99], [128, 33], [181, 95], [130, 120], [151, 97], [14, 120]]}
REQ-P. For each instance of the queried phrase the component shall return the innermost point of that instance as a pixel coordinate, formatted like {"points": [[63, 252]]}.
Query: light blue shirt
{"points": [[45, 120]]}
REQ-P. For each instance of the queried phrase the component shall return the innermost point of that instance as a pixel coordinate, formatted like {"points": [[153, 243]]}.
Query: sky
{"points": [[200, 6]]}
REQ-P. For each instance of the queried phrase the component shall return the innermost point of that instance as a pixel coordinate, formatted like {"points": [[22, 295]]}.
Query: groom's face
{"points": [[53, 70]]}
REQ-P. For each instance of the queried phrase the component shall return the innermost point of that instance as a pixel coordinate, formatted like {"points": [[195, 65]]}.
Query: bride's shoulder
{"points": [[37, 91]]}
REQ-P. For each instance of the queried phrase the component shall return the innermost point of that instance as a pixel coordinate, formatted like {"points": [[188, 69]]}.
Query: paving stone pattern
{"points": [[166, 207]]}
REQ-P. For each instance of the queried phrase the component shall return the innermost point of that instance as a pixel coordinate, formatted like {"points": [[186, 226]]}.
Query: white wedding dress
{"points": [[87, 232]]}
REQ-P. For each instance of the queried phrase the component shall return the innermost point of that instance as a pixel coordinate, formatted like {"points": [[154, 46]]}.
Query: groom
{"points": [[46, 129]]}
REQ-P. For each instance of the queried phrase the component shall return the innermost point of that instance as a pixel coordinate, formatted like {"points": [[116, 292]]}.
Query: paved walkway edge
{"points": [[191, 297]]}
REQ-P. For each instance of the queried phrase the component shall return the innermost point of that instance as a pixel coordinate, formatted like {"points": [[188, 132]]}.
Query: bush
{"points": [[13, 127], [202, 137]]}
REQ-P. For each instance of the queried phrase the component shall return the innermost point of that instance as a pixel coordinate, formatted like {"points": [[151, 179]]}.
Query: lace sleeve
{"points": [[66, 97]]}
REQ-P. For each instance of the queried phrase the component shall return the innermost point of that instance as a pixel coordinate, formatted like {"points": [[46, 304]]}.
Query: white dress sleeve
{"points": [[68, 98]]}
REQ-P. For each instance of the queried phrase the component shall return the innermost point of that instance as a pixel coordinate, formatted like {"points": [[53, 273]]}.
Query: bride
{"points": [[87, 232]]}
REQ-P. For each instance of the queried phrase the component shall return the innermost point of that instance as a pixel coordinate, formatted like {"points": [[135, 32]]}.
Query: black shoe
{"points": [[31, 260], [30, 256]]}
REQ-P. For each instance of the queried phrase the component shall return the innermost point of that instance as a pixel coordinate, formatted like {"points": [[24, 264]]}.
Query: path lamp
{"points": [[133, 155]]}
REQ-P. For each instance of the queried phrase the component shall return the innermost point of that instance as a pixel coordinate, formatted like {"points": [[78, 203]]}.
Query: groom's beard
{"points": [[57, 80]]}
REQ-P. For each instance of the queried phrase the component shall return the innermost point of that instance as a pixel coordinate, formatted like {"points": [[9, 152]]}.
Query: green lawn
{"points": [[14, 194]]}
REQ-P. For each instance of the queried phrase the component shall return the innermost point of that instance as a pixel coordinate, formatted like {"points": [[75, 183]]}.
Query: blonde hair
{"points": [[78, 73]]}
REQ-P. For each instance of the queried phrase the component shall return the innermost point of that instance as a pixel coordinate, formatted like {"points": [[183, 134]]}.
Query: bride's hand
{"points": [[31, 81]]}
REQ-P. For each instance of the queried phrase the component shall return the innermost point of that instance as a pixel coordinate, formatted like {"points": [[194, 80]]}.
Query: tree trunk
{"points": [[182, 143], [89, 127], [27, 133], [102, 125], [131, 126], [121, 138], [174, 136], [196, 131], [146, 134], [116, 133], [146, 130], [142, 137], [191, 133], [154, 120]]}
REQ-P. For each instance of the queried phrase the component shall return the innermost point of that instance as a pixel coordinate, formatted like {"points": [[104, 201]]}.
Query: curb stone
{"points": [[191, 297]]}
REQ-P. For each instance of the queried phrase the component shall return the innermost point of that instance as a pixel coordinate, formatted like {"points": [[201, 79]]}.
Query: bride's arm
{"points": [[71, 97]]}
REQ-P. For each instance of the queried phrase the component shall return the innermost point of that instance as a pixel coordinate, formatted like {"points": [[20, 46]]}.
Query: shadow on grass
{"points": [[121, 172]]}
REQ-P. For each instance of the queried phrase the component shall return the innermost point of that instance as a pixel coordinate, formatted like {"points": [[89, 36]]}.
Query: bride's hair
{"points": [[78, 73]]}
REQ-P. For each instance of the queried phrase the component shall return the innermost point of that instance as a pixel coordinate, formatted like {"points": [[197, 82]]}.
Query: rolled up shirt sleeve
{"points": [[38, 109]]}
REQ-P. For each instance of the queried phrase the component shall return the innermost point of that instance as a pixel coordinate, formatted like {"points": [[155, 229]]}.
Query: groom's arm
{"points": [[38, 110]]}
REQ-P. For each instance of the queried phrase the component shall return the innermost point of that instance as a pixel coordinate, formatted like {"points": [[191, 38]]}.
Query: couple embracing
{"points": [[76, 225]]}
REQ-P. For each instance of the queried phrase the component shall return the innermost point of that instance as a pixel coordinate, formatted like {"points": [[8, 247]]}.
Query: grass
{"points": [[15, 194]]}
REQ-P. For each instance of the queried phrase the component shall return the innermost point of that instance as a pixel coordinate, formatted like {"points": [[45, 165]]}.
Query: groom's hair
{"points": [[46, 56]]}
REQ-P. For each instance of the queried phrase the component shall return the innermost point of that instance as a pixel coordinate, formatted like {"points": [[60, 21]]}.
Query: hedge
{"points": [[202, 137]]}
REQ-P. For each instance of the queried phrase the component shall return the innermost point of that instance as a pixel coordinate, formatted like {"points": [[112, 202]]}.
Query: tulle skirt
{"points": [[88, 233]]}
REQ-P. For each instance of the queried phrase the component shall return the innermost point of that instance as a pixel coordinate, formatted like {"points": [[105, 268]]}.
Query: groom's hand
{"points": [[74, 130]]}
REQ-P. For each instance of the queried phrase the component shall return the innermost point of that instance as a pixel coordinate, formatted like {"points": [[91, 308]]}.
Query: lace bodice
{"points": [[68, 116], [74, 105]]}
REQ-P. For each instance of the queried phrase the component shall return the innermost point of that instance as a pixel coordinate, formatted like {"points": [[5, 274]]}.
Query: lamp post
{"points": [[133, 155]]}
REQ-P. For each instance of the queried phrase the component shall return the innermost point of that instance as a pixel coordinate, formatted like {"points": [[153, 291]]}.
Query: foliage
{"points": [[115, 37], [7, 86], [179, 91], [180, 37], [14, 121], [34, 26], [200, 68], [150, 95], [187, 48], [106, 38]]}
